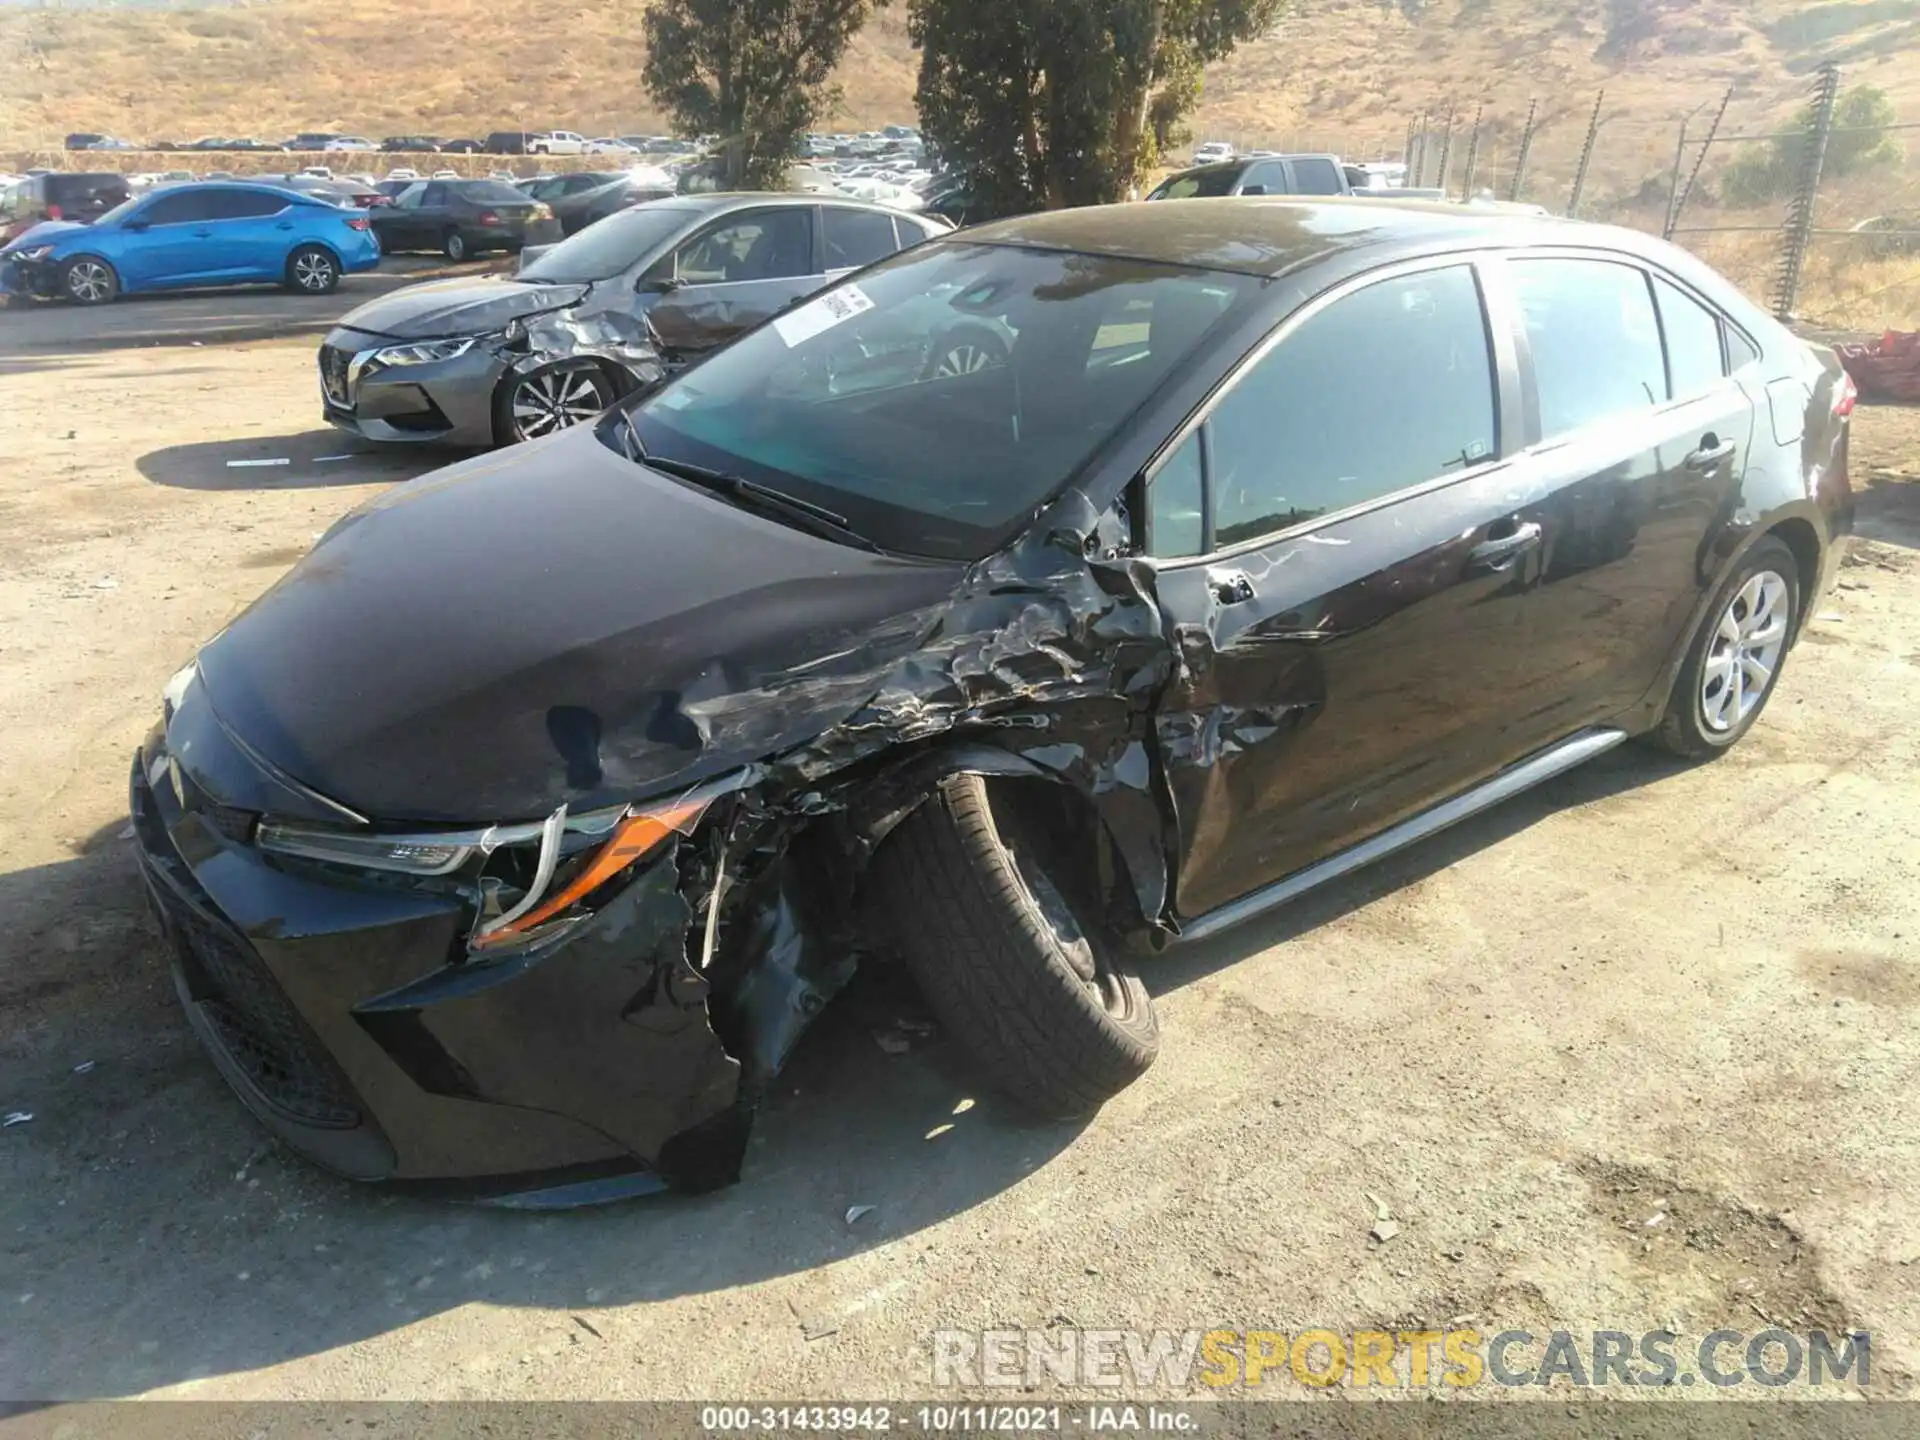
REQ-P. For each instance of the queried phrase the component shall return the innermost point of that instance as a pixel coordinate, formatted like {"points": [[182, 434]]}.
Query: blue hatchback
{"points": [[210, 234]]}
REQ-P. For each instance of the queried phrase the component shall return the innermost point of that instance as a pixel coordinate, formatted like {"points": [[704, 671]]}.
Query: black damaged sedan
{"points": [[508, 845]]}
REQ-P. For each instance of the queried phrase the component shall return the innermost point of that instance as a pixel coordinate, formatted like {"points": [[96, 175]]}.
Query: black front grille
{"points": [[247, 1013], [333, 374]]}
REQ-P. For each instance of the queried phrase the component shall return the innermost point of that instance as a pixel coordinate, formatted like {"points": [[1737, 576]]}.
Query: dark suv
{"points": [[60, 196]]}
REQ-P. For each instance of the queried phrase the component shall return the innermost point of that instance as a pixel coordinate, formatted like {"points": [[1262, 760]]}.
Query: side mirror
{"points": [[658, 285]]}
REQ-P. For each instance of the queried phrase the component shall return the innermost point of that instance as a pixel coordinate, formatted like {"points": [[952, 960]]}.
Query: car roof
{"points": [[1268, 236]]}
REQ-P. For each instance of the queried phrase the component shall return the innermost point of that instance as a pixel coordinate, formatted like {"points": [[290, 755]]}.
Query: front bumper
{"points": [[349, 1019], [448, 402]]}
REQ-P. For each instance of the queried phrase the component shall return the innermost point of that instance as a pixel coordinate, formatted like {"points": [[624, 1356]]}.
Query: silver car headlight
{"points": [[37, 252], [417, 855], [425, 352]]}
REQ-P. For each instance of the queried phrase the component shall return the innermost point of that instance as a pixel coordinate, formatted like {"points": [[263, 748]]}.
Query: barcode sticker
{"points": [[822, 313]]}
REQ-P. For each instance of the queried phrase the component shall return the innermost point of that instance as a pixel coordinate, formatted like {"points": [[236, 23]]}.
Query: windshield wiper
{"points": [[748, 494]]}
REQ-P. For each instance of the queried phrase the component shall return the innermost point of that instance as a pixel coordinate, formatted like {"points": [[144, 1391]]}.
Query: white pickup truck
{"points": [[557, 142]]}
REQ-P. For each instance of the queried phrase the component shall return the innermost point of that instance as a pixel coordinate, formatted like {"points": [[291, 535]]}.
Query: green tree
{"points": [[1862, 118], [754, 72], [1066, 102]]}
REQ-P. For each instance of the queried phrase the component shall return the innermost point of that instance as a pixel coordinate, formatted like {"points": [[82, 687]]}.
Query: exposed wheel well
{"points": [[1078, 834], [1799, 537]]}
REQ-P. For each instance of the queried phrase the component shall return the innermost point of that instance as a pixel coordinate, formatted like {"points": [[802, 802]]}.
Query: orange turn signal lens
{"points": [[633, 839]]}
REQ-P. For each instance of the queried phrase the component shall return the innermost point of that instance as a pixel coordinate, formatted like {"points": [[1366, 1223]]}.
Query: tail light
{"points": [[489, 217], [54, 212], [357, 222], [1845, 396], [540, 212]]}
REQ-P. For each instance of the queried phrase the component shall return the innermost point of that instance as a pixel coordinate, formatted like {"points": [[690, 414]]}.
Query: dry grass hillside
{"points": [[1345, 72]]}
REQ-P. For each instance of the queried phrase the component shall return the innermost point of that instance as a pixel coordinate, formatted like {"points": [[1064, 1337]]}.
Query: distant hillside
{"points": [[1336, 74]]}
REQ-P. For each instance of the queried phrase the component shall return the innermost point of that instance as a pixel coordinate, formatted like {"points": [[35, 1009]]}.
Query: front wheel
{"points": [[549, 400], [1734, 660], [455, 246], [88, 280], [1003, 936], [312, 270]]}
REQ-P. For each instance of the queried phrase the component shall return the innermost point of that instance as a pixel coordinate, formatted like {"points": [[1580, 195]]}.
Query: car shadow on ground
{"points": [[1888, 510], [142, 1203], [313, 458]]}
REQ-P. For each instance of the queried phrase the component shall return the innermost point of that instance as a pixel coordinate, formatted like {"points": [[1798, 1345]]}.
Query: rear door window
{"points": [[857, 237], [1315, 175], [1694, 361], [246, 205], [1386, 388], [1595, 341]]}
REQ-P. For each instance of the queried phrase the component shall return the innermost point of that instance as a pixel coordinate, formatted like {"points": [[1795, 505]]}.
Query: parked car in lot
{"points": [[549, 188], [463, 218], [67, 196], [188, 235], [349, 142], [1262, 175], [508, 142], [1211, 591], [410, 145], [586, 207], [557, 142], [494, 360], [346, 192]]}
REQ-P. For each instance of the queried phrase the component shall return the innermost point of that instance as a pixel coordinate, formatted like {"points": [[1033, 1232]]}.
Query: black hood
{"points": [[553, 622], [463, 306]]}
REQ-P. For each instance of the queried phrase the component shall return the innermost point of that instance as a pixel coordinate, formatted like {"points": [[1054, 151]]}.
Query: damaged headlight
{"points": [[410, 855], [425, 352], [36, 252]]}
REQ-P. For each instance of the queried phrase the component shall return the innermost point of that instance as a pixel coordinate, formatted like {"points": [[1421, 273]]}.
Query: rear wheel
{"points": [[89, 280], [313, 270], [1002, 933], [455, 246], [1734, 661], [551, 399]]}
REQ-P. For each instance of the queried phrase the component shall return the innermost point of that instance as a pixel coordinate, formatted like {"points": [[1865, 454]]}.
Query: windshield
{"points": [[1205, 184], [941, 399], [602, 251]]}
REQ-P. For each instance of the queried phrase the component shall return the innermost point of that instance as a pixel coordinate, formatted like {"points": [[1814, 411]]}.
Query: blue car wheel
{"points": [[89, 280], [313, 270]]}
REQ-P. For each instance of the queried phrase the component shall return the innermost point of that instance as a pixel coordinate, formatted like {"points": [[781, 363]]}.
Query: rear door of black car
{"points": [[1345, 552], [1639, 438], [741, 269]]}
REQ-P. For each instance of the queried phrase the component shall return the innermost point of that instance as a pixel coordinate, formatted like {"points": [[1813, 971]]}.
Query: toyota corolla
{"points": [[510, 843]]}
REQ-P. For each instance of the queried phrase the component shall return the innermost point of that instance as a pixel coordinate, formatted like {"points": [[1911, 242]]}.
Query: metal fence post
{"points": [[1526, 149], [1473, 153], [1406, 155], [1586, 158], [1798, 234], [1678, 201], [1446, 153]]}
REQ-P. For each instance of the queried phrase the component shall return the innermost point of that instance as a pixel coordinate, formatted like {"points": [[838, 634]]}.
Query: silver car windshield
{"points": [[944, 395]]}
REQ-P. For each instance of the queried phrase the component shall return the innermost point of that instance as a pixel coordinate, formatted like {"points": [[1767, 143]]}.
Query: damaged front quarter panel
{"points": [[623, 344]]}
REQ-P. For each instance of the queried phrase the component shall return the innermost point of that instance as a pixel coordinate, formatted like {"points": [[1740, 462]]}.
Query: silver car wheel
{"points": [[1744, 653], [551, 400], [313, 271], [88, 281], [966, 358]]}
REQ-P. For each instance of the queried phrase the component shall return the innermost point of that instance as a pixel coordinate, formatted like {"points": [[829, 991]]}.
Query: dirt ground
{"points": [[1645, 988]]}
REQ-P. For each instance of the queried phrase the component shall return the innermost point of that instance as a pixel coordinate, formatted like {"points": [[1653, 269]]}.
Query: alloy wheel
{"points": [[555, 400], [965, 358], [89, 281], [1744, 653], [313, 271]]}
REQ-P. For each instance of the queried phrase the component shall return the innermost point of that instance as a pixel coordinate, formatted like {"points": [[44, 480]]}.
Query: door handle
{"points": [[1501, 551], [1230, 587], [284, 225], [1711, 452], [202, 234]]}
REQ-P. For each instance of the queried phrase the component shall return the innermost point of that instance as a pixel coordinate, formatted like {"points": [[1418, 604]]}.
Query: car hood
{"points": [[45, 233], [554, 623], [463, 306]]}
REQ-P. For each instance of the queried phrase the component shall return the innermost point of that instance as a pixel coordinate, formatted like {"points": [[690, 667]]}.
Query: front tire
{"points": [[1734, 660], [454, 246], [1006, 948], [89, 280], [313, 270], [549, 400]]}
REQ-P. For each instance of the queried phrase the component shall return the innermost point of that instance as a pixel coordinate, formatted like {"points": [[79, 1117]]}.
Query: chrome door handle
{"points": [[1230, 587], [1710, 454], [1498, 554]]}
